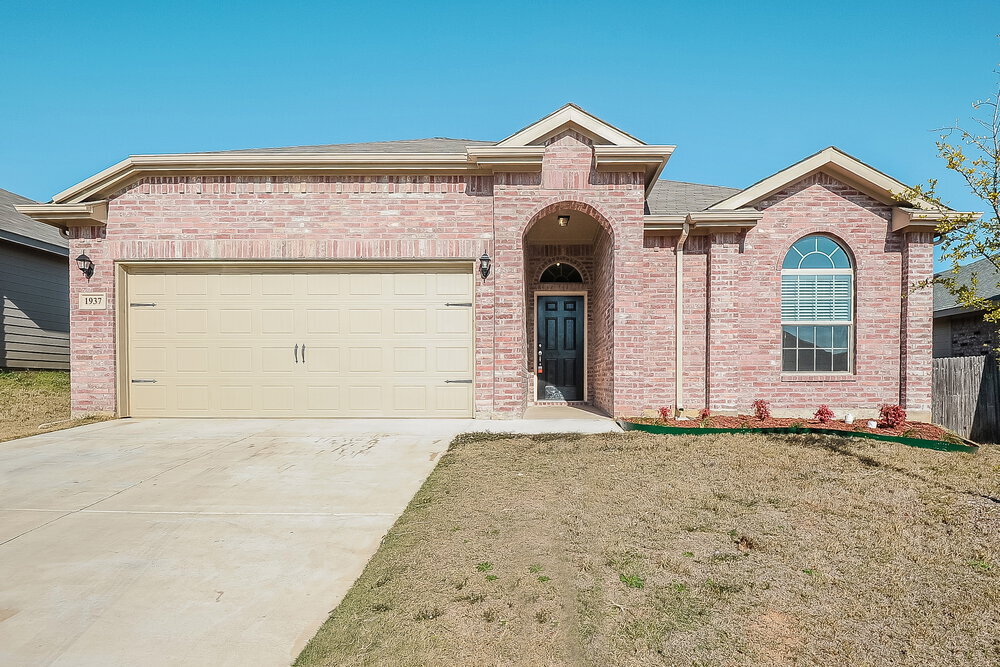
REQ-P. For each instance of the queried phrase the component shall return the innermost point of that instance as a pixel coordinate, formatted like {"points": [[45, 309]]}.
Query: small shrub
{"points": [[632, 580], [824, 414], [761, 409], [891, 416], [704, 413], [666, 412]]}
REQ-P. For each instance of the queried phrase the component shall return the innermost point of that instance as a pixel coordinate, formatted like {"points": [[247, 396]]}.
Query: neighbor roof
{"points": [[987, 280], [679, 198], [429, 145], [18, 228]]}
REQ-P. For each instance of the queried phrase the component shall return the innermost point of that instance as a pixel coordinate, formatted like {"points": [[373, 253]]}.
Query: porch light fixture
{"points": [[85, 265], [484, 265], [563, 220]]}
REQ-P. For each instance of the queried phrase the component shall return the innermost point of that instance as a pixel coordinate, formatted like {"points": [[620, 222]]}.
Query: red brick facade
{"points": [[731, 304]]}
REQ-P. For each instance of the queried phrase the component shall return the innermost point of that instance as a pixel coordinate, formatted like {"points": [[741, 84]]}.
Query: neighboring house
{"points": [[961, 332], [345, 280], [34, 282]]}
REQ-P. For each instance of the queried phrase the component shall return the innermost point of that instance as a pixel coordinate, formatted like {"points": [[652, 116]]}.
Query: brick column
{"points": [[631, 365], [92, 332], [723, 322], [916, 326], [510, 361]]}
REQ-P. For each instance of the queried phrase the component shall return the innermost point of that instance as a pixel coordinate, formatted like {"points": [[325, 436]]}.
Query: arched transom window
{"points": [[560, 272], [817, 307]]}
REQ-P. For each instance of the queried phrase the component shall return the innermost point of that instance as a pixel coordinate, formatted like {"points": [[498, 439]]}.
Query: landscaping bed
{"points": [[721, 549], [905, 430], [928, 436]]}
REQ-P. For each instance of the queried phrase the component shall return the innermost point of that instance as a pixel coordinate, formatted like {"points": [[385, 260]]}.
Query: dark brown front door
{"points": [[559, 362]]}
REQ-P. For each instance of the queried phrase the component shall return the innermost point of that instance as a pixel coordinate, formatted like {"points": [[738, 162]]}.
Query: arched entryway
{"points": [[569, 294]]}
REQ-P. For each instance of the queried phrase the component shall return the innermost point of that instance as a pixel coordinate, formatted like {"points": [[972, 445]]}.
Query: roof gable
{"points": [[570, 116], [831, 161]]}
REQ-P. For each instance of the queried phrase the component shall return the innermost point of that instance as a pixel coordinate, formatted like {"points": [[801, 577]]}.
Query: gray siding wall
{"points": [[34, 320]]}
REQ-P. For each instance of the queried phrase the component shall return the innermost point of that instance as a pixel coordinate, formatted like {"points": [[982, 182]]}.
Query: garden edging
{"points": [[940, 445]]}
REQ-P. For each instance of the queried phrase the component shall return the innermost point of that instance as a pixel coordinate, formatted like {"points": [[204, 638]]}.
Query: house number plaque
{"points": [[93, 301]]}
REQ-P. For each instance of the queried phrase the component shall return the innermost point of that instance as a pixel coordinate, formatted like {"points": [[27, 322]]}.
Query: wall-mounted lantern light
{"points": [[484, 265], [563, 220], [86, 266]]}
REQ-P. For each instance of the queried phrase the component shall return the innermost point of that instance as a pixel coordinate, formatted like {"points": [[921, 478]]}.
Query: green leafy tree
{"points": [[973, 154]]}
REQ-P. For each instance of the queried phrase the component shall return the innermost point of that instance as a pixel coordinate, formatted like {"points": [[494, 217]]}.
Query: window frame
{"points": [[560, 263], [850, 323]]}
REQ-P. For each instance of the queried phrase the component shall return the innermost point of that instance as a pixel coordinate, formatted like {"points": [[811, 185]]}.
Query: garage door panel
{"points": [[322, 321], [194, 398], [236, 322], [235, 359], [323, 359], [372, 341], [457, 321]]}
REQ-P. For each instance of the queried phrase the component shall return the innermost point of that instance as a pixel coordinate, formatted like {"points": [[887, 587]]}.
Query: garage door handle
{"points": [[303, 353], [141, 305], [296, 353], [458, 381], [143, 381], [466, 305]]}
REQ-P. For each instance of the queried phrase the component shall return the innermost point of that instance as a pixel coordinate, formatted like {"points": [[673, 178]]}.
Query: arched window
{"points": [[561, 273], [817, 307]]}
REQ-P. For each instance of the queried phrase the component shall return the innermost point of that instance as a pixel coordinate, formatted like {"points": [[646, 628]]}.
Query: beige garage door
{"points": [[334, 341]]}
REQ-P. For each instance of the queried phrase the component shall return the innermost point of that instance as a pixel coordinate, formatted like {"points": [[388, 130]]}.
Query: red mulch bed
{"points": [[906, 430]]}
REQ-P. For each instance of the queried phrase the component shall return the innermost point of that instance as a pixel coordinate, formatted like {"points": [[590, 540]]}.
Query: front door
{"points": [[559, 362]]}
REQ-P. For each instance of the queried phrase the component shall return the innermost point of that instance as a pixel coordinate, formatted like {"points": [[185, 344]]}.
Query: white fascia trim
{"points": [[916, 219], [651, 160], [656, 223], [832, 160], [87, 214], [114, 176], [703, 220], [570, 115], [506, 156]]}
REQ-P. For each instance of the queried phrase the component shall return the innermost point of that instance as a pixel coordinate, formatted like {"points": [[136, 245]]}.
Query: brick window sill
{"points": [[819, 377]]}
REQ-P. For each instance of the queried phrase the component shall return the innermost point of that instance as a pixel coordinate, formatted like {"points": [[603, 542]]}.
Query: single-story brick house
{"points": [[459, 278]]}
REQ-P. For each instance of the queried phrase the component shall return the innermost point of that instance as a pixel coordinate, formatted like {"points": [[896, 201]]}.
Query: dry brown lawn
{"points": [[29, 399], [635, 549]]}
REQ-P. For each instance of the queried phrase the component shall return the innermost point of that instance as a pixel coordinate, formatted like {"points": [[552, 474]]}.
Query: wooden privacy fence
{"points": [[966, 396]]}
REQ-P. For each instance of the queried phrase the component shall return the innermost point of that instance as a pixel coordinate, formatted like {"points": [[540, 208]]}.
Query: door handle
{"points": [[303, 353], [296, 353]]}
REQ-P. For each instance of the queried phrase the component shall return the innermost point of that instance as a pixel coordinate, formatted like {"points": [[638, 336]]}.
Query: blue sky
{"points": [[742, 88]]}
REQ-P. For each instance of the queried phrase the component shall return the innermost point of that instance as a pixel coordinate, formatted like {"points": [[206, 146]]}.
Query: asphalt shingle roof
{"points": [[18, 228], [987, 281], [430, 145], [678, 197]]}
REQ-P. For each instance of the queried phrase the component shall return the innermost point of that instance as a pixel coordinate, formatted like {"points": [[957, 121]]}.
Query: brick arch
{"points": [[558, 204], [842, 240]]}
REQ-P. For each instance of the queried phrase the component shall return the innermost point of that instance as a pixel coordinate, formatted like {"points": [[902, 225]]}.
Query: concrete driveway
{"points": [[195, 542], [200, 542]]}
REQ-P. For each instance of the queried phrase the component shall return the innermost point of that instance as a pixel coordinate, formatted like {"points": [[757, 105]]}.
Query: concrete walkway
{"points": [[201, 542]]}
